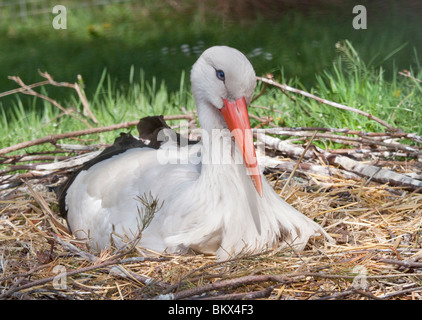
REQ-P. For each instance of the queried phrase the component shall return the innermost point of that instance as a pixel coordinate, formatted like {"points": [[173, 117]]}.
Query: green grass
{"points": [[133, 64], [349, 81], [110, 103]]}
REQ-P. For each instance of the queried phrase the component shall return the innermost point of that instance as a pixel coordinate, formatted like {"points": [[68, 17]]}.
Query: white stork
{"points": [[218, 205]]}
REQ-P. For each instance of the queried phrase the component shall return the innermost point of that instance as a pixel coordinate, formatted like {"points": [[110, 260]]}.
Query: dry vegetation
{"points": [[377, 228], [376, 255]]}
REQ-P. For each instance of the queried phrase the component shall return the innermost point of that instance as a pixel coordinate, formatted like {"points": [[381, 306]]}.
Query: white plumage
{"points": [[212, 205]]}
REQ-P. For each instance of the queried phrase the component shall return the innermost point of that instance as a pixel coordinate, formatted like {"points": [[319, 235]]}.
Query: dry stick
{"points": [[23, 275], [407, 74], [400, 292], [75, 86], [349, 292], [287, 147], [363, 134], [24, 158], [318, 171], [34, 85], [46, 210], [27, 90], [403, 263], [370, 171], [112, 261], [265, 293], [298, 163], [224, 284], [11, 291], [341, 139], [54, 138], [212, 265], [285, 87]]}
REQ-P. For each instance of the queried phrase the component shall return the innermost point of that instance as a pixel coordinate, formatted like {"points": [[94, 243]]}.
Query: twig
{"points": [[24, 158], [43, 281], [46, 210], [264, 88], [298, 162], [403, 263], [53, 138], [75, 86], [212, 265], [243, 296], [400, 292], [407, 74], [285, 87], [349, 292], [70, 247], [21, 89], [114, 260], [337, 138], [372, 172], [140, 278], [281, 145], [274, 165], [29, 91], [224, 284]]}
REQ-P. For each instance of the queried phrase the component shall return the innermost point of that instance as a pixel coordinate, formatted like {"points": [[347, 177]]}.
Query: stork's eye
{"points": [[220, 75]]}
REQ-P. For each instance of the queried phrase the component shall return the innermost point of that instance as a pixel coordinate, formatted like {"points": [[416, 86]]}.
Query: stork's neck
{"points": [[210, 117], [220, 155]]}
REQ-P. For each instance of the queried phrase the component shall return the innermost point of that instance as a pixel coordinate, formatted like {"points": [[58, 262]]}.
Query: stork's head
{"points": [[223, 82], [222, 73]]}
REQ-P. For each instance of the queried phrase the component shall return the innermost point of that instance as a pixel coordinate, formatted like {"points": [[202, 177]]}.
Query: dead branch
{"points": [[29, 91], [400, 292], [407, 74], [24, 158], [53, 138], [285, 87], [298, 162], [346, 293], [121, 272], [284, 146], [403, 263], [371, 172], [21, 89], [337, 138], [328, 172], [67, 163], [75, 250], [56, 225], [43, 281], [265, 293], [224, 284], [75, 86]]}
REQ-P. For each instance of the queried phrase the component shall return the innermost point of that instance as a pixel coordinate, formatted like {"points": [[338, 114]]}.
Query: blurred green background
{"points": [[134, 58], [165, 37]]}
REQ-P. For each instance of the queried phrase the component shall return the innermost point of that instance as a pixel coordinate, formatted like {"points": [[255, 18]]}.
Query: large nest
{"points": [[372, 210], [377, 230]]}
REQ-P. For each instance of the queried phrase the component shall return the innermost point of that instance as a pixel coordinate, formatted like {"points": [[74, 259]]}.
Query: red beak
{"points": [[235, 114]]}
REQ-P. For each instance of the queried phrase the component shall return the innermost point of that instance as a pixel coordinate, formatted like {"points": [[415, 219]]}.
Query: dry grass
{"points": [[377, 254]]}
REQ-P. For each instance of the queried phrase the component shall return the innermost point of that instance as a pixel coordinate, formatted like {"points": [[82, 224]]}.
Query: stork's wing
{"points": [[148, 128]]}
